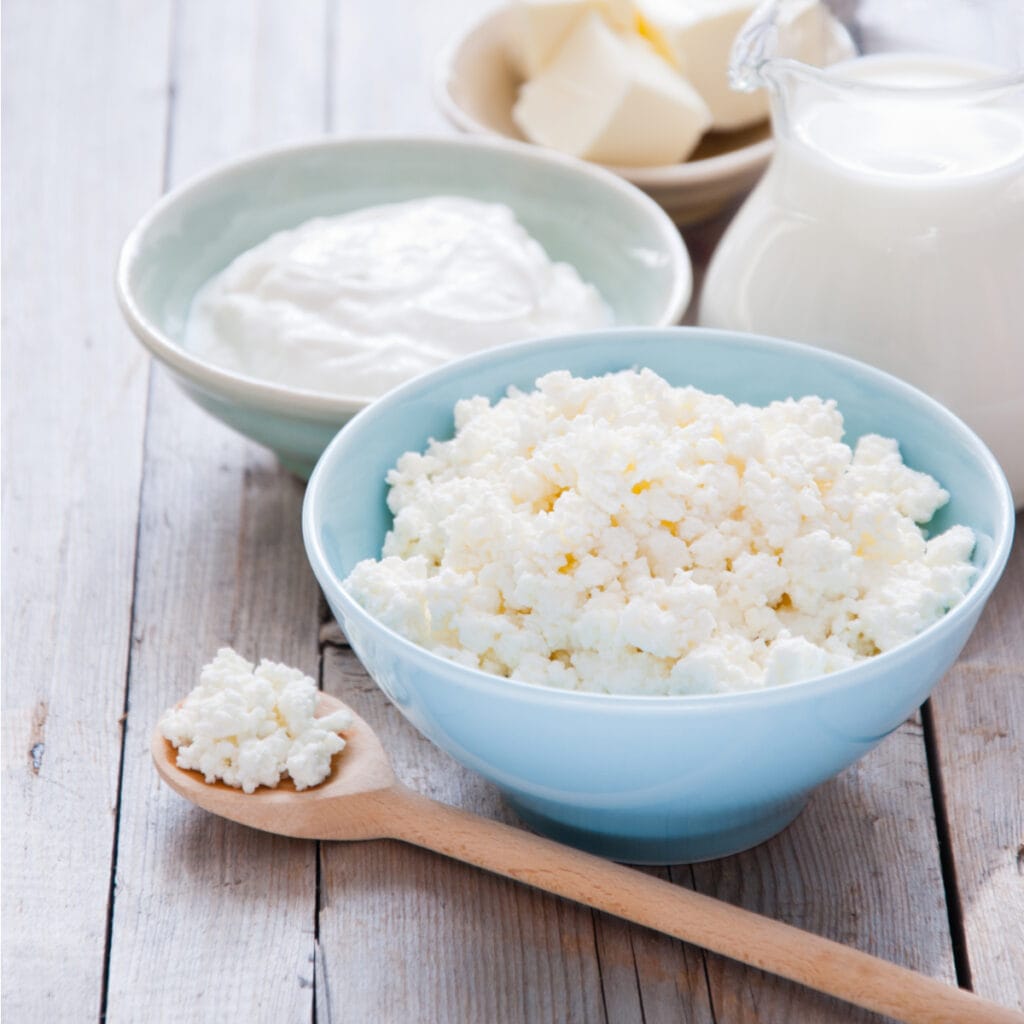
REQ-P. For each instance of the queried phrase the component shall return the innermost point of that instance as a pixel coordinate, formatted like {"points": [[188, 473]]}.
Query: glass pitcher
{"points": [[890, 223]]}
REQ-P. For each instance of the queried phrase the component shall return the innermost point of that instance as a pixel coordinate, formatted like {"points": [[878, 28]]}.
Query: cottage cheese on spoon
{"points": [[250, 726], [356, 304]]}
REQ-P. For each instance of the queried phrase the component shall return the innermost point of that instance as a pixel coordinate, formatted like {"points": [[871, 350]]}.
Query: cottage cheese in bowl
{"points": [[356, 304], [620, 535]]}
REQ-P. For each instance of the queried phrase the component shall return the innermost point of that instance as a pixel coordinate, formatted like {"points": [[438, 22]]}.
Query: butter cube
{"points": [[540, 27], [611, 98], [701, 34]]}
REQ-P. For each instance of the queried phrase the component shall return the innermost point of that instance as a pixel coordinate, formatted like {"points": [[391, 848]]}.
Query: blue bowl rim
{"points": [[978, 594], [321, 405]]}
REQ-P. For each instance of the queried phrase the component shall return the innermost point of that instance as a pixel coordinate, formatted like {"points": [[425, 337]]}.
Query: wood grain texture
{"points": [[84, 103], [383, 60], [860, 866], [978, 719], [213, 921], [651, 978], [439, 941]]}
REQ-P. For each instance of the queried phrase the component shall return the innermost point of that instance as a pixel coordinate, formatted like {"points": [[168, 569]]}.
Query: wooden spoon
{"points": [[362, 799]]}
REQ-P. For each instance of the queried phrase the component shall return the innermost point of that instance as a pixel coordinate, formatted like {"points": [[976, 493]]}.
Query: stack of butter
{"points": [[638, 84]]}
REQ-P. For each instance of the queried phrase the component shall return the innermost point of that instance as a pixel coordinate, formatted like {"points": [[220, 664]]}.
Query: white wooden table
{"points": [[139, 535]]}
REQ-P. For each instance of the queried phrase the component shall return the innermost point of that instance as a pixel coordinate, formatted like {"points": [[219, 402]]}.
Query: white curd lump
{"points": [[359, 303], [249, 726], [620, 535]]}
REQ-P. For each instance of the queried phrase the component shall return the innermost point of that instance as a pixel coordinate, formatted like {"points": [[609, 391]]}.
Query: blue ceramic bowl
{"points": [[617, 238], [640, 778]]}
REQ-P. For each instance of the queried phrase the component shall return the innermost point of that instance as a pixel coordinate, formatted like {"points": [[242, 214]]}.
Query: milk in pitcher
{"points": [[890, 227]]}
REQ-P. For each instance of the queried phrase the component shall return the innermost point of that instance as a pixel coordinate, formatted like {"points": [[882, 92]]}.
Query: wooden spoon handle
{"points": [[781, 949]]}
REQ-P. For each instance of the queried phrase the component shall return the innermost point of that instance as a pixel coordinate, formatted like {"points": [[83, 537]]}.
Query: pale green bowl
{"points": [[615, 236]]}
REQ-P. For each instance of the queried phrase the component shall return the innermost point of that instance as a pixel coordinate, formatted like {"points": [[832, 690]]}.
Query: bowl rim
{"points": [[712, 169], [325, 406], [501, 686]]}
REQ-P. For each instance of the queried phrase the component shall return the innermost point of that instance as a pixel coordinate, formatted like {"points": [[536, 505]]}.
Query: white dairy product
{"points": [[701, 33], [609, 97], [890, 227], [359, 303], [617, 534], [540, 27], [249, 726]]}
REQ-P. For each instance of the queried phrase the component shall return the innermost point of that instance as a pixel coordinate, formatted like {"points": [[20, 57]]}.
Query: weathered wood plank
{"points": [[860, 866], [978, 719], [651, 978], [213, 921], [84, 102], [408, 935], [383, 61]]}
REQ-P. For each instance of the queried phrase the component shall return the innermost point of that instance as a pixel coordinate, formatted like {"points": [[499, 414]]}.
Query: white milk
{"points": [[890, 227]]}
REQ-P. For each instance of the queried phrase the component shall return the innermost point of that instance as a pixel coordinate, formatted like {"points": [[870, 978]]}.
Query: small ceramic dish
{"points": [[617, 238], [475, 85], [645, 778]]}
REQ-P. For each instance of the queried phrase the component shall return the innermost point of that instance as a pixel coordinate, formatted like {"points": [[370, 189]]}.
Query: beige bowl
{"points": [[476, 83]]}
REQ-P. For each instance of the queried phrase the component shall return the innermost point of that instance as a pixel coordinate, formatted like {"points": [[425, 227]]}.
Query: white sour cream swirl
{"points": [[356, 304]]}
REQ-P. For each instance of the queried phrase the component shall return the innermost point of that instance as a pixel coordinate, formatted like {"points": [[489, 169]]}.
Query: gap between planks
{"points": [[236, 573], [165, 170]]}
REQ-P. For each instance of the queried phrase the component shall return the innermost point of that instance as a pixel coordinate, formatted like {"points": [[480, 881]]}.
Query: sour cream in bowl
{"points": [[359, 303], [287, 290]]}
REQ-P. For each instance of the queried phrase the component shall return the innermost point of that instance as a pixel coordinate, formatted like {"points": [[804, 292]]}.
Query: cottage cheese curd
{"points": [[620, 535], [359, 303], [250, 726]]}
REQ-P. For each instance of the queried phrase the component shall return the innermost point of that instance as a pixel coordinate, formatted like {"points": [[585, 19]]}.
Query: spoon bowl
{"points": [[346, 805], [363, 799]]}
